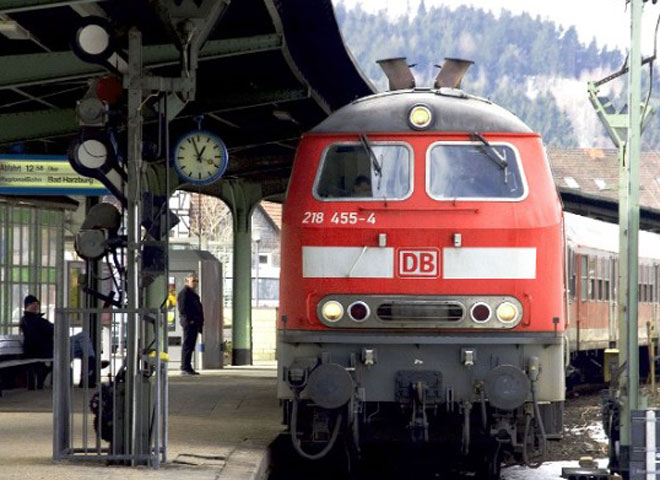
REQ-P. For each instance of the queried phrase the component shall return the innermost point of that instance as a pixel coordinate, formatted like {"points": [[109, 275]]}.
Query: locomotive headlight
{"points": [[332, 311], [506, 312], [420, 117]]}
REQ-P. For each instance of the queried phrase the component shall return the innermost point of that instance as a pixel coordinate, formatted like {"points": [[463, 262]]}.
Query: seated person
{"points": [[38, 335], [361, 187]]}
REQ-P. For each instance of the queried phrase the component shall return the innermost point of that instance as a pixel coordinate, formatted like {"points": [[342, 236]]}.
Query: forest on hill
{"points": [[531, 66]]}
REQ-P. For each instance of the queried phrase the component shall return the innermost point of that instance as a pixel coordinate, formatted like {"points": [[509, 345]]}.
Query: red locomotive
{"points": [[422, 292]]}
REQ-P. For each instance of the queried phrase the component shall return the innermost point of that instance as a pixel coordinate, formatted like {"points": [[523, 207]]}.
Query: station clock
{"points": [[200, 157]]}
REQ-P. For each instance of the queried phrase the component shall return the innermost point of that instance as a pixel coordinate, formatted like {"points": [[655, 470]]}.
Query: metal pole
{"points": [[628, 249], [634, 149], [132, 269], [622, 291]]}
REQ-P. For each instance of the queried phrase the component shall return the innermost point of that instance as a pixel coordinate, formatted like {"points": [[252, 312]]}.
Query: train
{"points": [[592, 283], [423, 300]]}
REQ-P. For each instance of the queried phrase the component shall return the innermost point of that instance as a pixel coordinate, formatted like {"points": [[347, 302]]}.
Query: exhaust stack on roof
{"points": [[452, 72], [398, 73]]}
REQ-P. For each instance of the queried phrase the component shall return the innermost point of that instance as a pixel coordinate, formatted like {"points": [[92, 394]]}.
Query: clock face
{"points": [[200, 157]]}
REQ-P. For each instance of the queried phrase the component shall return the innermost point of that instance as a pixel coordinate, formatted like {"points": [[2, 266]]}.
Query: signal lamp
{"points": [[358, 311], [332, 311], [506, 312], [420, 117], [480, 312]]}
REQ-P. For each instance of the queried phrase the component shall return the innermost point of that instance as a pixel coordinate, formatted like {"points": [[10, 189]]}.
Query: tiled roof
{"points": [[274, 211], [596, 171]]}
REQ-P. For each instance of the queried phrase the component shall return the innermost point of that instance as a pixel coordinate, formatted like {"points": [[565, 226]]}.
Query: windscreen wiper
{"points": [[494, 155], [372, 155]]}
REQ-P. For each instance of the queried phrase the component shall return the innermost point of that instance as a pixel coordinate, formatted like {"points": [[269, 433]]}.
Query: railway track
{"points": [[383, 463]]}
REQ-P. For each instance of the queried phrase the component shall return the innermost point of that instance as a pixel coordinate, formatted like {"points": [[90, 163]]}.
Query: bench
{"points": [[11, 351]]}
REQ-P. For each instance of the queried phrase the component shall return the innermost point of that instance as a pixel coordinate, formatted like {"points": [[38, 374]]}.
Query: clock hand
{"points": [[197, 154]]}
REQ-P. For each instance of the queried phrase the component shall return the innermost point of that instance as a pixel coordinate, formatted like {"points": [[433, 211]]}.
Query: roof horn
{"points": [[398, 73], [452, 72]]}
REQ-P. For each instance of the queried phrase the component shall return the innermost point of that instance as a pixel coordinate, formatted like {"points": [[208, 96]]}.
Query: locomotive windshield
{"points": [[469, 171], [366, 170]]}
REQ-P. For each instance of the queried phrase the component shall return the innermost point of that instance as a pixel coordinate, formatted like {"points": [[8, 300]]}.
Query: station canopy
{"points": [[269, 71]]}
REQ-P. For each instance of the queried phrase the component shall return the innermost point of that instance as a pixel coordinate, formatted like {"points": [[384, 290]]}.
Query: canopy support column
{"points": [[241, 198]]}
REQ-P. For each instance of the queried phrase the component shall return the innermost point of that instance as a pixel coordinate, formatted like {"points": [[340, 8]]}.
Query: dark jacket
{"points": [[37, 336], [190, 308]]}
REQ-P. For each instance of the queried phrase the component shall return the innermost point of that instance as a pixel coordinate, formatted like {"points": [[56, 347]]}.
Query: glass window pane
{"points": [[3, 244], [25, 245], [53, 247], [349, 171], [16, 242], [44, 245], [474, 171], [19, 292]]}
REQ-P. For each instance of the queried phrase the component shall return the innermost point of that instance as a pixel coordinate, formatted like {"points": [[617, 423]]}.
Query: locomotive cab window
{"points": [[367, 171], [488, 171]]}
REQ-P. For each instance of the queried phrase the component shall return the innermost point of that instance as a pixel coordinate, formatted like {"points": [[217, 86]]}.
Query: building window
{"points": [[600, 183], [31, 258]]}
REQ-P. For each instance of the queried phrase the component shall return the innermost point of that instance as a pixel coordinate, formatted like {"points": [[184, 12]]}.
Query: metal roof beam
{"points": [[49, 123], [15, 127], [233, 101], [34, 99], [12, 6], [41, 68]]}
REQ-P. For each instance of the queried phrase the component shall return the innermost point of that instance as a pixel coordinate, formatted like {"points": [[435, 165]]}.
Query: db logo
{"points": [[418, 263]]}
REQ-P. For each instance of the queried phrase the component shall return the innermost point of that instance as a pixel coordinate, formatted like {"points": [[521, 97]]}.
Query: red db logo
{"points": [[418, 263]]}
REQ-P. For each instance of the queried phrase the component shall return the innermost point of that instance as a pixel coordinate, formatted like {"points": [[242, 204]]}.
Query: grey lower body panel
{"points": [[444, 353]]}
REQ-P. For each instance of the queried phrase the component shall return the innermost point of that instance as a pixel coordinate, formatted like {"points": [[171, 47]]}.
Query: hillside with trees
{"points": [[531, 66]]}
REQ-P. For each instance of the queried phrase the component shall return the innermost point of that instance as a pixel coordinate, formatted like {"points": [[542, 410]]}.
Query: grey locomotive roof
{"points": [[453, 111]]}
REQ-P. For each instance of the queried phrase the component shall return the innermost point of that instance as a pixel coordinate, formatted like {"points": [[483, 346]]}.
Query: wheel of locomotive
{"points": [[488, 460]]}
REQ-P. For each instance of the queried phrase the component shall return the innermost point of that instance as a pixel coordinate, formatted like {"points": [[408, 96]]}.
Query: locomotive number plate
{"points": [[338, 218]]}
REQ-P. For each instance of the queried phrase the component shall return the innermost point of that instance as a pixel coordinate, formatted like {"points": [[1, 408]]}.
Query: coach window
{"points": [[471, 171], [584, 277], [646, 280], [373, 171], [607, 274], [640, 284], [572, 274], [602, 275], [592, 278]]}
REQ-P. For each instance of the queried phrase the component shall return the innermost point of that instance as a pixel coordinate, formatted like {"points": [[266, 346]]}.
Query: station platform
{"points": [[220, 425]]}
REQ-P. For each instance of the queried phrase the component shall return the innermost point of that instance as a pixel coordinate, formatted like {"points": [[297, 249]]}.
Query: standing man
{"points": [[191, 316]]}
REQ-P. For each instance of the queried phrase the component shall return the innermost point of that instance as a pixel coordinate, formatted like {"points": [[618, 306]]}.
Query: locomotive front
{"points": [[422, 286]]}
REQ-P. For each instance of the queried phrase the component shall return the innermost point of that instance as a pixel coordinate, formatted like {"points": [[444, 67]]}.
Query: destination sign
{"points": [[44, 175]]}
